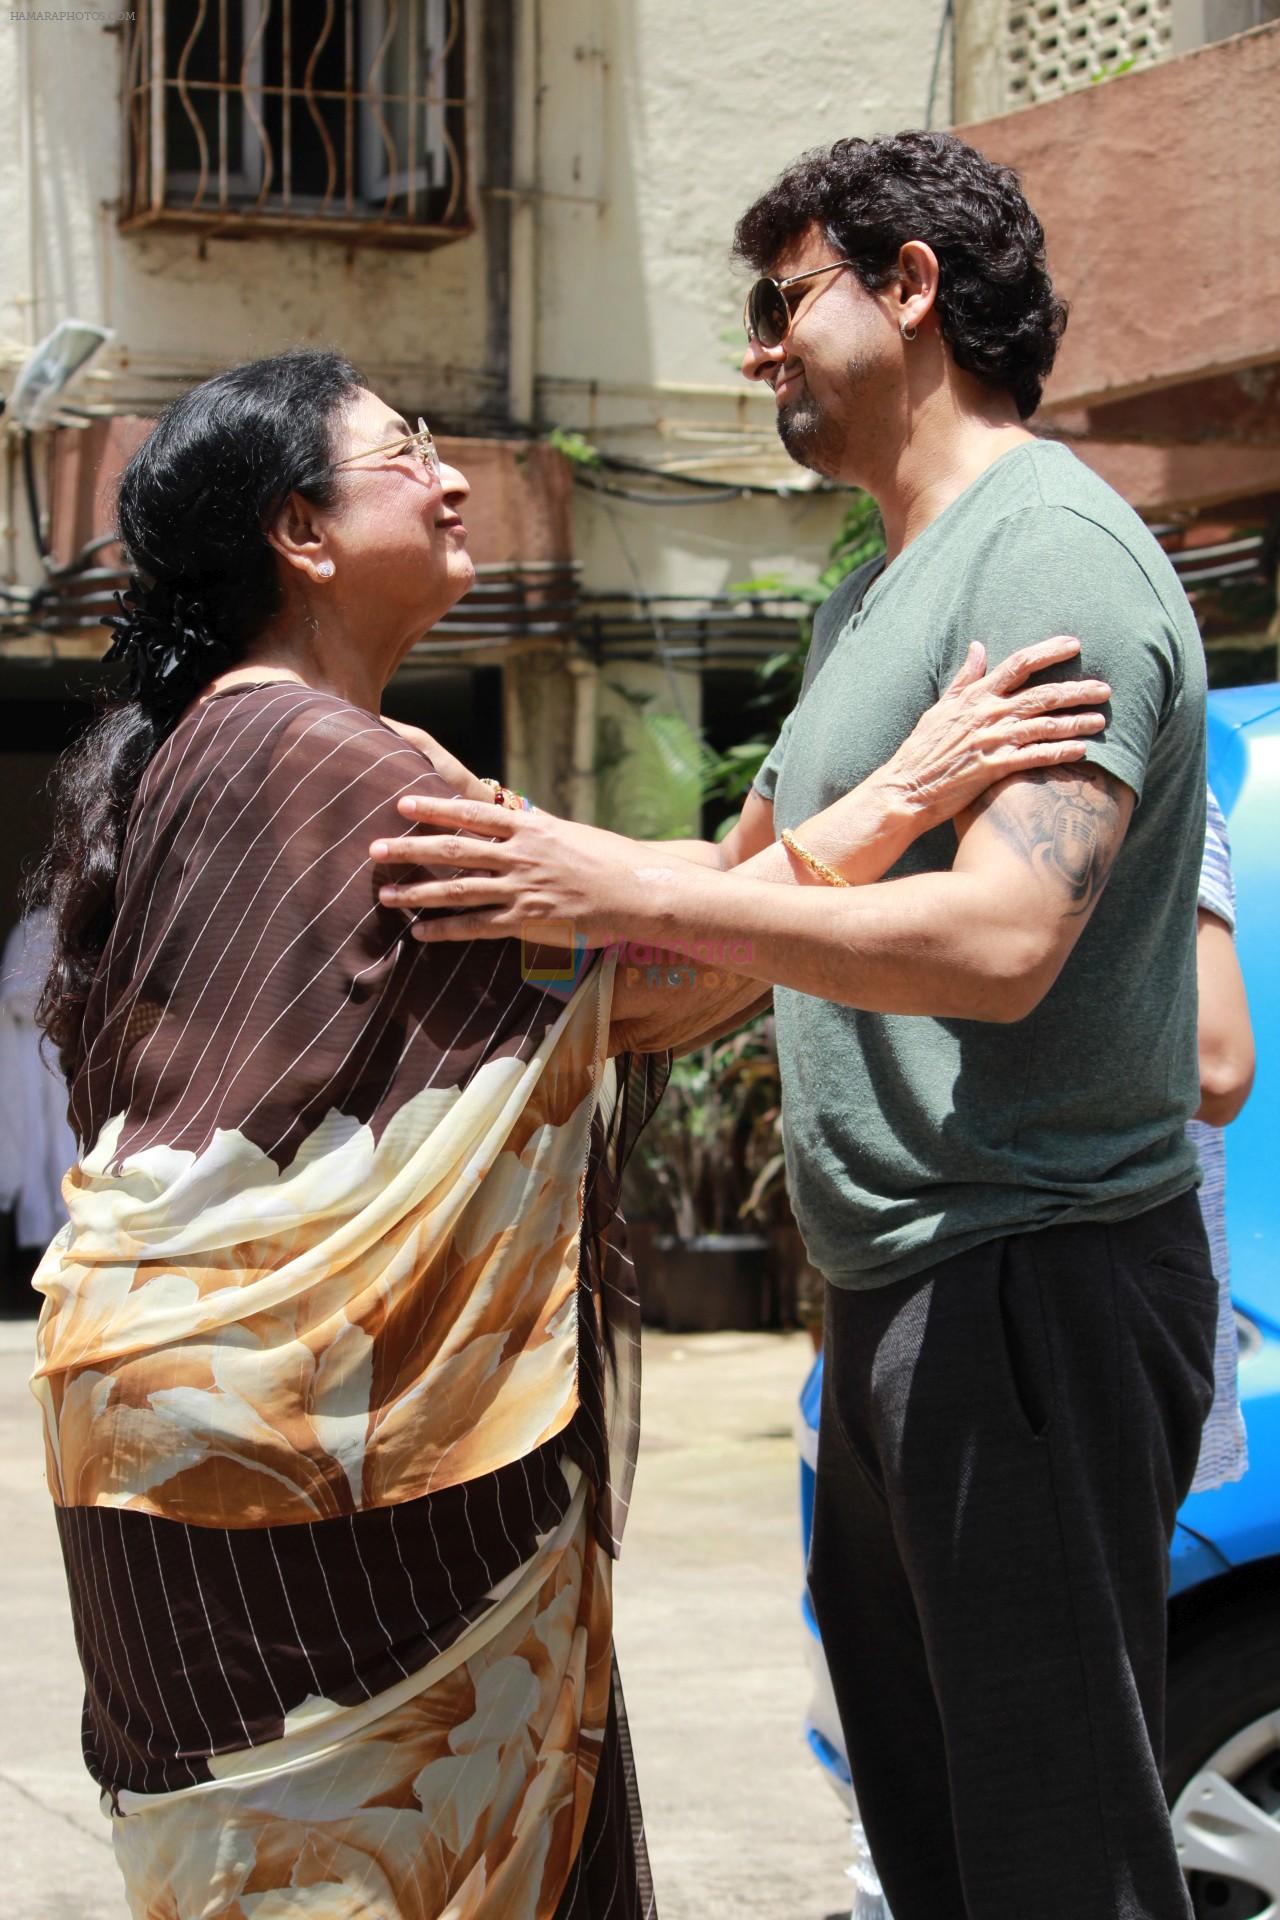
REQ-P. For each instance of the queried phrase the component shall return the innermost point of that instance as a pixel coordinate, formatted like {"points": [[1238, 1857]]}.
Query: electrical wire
{"points": [[709, 499], [33, 501], [939, 43], [701, 492]]}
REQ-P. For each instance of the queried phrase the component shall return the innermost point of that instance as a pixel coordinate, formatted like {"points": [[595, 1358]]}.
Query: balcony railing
{"points": [[338, 118]]}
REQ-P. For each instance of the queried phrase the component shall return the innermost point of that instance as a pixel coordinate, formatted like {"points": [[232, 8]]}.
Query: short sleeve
{"points": [[1049, 570], [1217, 883], [766, 780]]}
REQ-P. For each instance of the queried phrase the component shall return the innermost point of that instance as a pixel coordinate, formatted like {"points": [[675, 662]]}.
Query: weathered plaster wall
{"points": [[656, 122], [700, 108], [1172, 179], [183, 308], [667, 119], [659, 123]]}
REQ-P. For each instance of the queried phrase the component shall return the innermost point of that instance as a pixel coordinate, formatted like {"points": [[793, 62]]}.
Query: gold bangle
{"points": [[811, 860]]}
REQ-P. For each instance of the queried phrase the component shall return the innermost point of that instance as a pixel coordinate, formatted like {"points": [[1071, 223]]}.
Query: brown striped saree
{"points": [[338, 1367]]}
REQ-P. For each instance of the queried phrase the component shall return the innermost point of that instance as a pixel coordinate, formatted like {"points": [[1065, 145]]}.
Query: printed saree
{"points": [[338, 1367]]}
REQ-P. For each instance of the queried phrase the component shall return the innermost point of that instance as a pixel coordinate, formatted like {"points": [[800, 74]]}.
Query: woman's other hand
{"points": [[468, 785], [987, 726]]}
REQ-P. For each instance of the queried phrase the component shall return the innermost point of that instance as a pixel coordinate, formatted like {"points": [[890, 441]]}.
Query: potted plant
{"points": [[799, 1284], [699, 1160], [714, 1239]]}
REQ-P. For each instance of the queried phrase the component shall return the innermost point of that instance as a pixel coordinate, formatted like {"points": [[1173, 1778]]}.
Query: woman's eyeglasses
{"points": [[420, 443], [767, 315]]}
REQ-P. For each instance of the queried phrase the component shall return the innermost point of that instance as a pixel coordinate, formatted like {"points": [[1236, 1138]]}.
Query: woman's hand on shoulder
{"points": [[987, 726]]}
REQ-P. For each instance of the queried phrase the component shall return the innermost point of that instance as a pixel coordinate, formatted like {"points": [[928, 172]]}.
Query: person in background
{"points": [[1225, 1039], [36, 1144]]}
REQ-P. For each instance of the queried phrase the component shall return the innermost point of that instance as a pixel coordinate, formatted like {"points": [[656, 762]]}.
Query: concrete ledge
{"points": [[1162, 480], [1158, 196]]}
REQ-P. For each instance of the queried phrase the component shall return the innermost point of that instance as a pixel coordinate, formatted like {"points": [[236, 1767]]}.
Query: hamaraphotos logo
{"points": [[556, 960]]}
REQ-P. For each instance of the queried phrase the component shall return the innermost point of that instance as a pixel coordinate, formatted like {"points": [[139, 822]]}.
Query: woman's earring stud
{"points": [[325, 569]]}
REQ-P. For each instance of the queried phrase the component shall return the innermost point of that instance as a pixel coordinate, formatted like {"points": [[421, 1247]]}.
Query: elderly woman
{"points": [[337, 1357]]}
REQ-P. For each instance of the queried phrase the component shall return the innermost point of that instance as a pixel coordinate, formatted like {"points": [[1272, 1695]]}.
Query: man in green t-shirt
{"points": [[988, 1054], [1019, 1317]]}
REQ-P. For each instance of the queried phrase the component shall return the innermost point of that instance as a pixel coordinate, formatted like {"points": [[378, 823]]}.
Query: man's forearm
{"points": [[682, 996], [941, 944], [860, 837]]}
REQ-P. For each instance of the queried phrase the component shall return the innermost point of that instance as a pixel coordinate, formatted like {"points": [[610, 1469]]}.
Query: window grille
{"points": [[342, 118], [1052, 47]]}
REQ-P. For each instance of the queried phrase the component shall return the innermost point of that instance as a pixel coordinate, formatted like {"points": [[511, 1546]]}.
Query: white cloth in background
{"points": [[1224, 1453], [36, 1143]]}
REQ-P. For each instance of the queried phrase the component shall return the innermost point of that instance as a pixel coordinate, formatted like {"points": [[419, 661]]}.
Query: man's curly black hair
{"points": [[998, 311]]}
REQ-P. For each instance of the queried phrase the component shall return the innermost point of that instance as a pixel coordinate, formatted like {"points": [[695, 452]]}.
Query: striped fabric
{"points": [[1224, 1453], [339, 1367]]}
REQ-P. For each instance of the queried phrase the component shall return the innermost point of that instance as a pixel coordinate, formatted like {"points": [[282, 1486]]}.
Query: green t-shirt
{"points": [[909, 1139]]}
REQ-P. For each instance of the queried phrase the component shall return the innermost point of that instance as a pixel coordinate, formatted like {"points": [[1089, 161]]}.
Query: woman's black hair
{"points": [[195, 503], [996, 304]]}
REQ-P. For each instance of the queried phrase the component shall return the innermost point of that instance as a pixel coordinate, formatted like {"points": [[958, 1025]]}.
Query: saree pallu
{"points": [[338, 1367]]}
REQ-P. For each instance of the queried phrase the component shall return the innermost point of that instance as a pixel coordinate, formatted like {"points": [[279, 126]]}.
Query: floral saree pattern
{"points": [[337, 1364]]}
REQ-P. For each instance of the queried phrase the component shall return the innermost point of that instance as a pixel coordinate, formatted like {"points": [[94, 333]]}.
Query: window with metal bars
{"points": [[342, 118]]}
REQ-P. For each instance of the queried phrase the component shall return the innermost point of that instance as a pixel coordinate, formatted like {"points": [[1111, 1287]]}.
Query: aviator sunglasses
{"points": [[767, 315]]}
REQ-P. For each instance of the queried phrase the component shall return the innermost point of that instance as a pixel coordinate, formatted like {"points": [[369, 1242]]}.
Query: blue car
{"points": [[1222, 1761]]}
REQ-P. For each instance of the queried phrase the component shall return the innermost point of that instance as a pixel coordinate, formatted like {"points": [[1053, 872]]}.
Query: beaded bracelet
{"points": [[508, 797], [811, 860]]}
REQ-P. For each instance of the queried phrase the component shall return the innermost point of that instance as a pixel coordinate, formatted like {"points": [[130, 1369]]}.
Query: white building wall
{"points": [[659, 122], [184, 306], [650, 124], [675, 118]]}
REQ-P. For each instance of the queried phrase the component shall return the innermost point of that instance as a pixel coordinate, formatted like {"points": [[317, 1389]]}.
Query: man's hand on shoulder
{"points": [[1045, 844]]}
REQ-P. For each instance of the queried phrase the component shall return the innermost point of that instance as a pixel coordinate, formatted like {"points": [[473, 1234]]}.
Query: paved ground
{"points": [[709, 1641]]}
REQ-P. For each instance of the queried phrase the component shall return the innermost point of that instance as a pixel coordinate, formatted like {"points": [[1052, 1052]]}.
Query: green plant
{"points": [[574, 446], [716, 1128], [1113, 72], [859, 538], [715, 1150], [652, 767]]}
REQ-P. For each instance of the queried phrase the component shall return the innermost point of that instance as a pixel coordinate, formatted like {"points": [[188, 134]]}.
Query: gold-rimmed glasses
{"points": [[420, 443]]}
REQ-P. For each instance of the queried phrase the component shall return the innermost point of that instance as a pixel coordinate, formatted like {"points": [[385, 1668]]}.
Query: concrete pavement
{"points": [[709, 1642], [710, 1639], [57, 1862]]}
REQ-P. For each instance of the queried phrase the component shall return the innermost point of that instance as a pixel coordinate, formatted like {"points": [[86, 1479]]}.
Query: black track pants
{"points": [[1004, 1444]]}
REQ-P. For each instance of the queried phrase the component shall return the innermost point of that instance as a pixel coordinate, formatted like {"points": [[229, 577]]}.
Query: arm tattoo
{"points": [[1067, 826]]}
